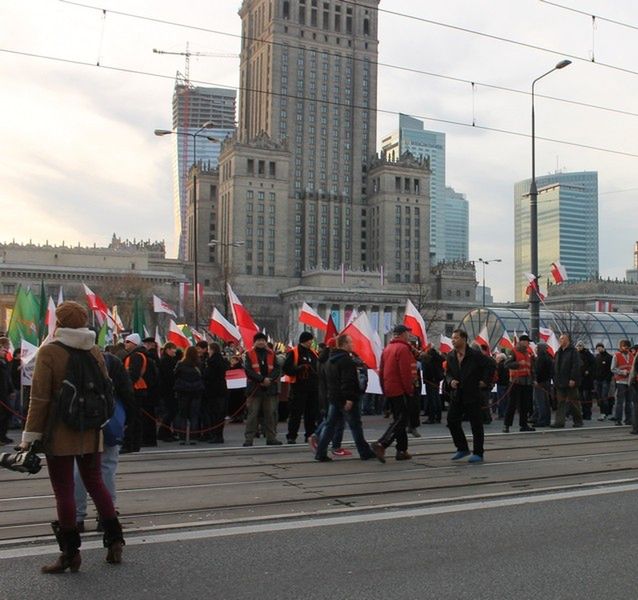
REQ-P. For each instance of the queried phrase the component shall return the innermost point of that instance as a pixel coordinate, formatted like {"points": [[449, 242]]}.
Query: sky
{"points": [[79, 161]]}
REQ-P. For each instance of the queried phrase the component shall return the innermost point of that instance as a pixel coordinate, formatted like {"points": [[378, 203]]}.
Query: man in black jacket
{"points": [[343, 391], [567, 376], [544, 368], [216, 392], [136, 362], [602, 380], [5, 390], [302, 369], [587, 366], [467, 375], [432, 367], [168, 402]]}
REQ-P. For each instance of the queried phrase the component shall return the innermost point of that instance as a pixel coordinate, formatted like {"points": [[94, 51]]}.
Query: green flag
{"points": [[42, 306], [101, 336], [24, 319], [139, 323]]}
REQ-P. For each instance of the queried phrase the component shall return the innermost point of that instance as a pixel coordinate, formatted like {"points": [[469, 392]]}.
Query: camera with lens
{"points": [[21, 461]]}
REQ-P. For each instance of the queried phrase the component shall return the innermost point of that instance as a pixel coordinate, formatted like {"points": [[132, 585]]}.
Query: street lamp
{"points": [[487, 262], [533, 209], [160, 133], [225, 245]]}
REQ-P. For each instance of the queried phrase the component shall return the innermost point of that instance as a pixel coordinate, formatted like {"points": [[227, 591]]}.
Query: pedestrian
{"points": [[216, 392], [466, 374], [432, 369], [168, 401], [567, 375], [6, 388], [543, 369], [621, 364], [65, 445], [602, 380], [397, 375], [344, 397], [189, 387], [263, 374], [502, 385], [152, 400], [586, 388], [521, 367], [136, 363], [301, 367]]}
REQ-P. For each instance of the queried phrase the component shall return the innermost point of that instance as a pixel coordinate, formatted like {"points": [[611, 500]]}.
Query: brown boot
{"points": [[69, 542], [113, 540]]}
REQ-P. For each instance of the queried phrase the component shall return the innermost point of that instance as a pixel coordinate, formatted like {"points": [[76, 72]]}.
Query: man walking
{"points": [[521, 367], [466, 374], [566, 380], [621, 365], [602, 380], [262, 373], [587, 366], [398, 376]]}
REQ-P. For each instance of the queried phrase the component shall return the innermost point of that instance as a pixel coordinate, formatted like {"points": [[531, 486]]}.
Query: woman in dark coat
{"points": [[189, 387]]}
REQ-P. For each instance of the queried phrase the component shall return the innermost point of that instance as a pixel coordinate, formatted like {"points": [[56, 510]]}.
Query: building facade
{"points": [[567, 226]]}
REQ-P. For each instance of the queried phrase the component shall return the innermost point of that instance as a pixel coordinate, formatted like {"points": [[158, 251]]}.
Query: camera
{"points": [[22, 461]]}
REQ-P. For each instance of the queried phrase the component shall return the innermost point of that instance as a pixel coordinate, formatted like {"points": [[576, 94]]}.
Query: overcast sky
{"points": [[79, 160]]}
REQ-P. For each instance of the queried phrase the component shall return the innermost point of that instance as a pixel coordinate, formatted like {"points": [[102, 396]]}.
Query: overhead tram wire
{"points": [[402, 68], [328, 102], [591, 15]]}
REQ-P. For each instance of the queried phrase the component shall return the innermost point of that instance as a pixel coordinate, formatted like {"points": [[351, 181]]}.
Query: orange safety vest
{"points": [[524, 368], [623, 362], [295, 362], [140, 384], [254, 361]]}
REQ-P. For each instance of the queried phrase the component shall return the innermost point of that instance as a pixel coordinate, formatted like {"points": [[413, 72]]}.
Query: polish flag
{"points": [[532, 285], [159, 306], [362, 336], [415, 322], [483, 338], [236, 379], [308, 316], [96, 304], [50, 320], [505, 341], [243, 321], [552, 344], [603, 306], [559, 273], [545, 333], [176, 335], [331, 331], [158, 342], [197, 336], [222, 328], [445, 345]]}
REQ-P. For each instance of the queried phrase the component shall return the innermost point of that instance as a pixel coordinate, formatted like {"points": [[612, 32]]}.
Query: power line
{"points": [[593, 16], [355, 59], [328, 102]]}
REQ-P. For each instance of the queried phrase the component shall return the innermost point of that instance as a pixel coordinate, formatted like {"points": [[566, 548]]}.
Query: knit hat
{"points": [[305, 336], [71, 315], [259, 336], [134, 338]]}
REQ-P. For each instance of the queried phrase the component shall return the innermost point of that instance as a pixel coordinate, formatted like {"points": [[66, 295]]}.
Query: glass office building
{"points": [[456, 219], [567, 227]]}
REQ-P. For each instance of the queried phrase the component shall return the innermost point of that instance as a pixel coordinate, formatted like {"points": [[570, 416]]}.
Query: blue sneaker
{"points": [[460, 454], [475, 459]]}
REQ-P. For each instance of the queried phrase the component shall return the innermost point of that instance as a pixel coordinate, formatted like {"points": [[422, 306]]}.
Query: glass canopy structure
{"points": [[589, 327]]}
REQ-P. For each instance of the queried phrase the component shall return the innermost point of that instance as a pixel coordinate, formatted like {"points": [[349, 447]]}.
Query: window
{"points": [[286, 10], [250, 166], [271, 169], [261, 169]]}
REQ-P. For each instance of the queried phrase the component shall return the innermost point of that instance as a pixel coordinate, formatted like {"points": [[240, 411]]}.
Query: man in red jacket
{"points": [[397, 374]]}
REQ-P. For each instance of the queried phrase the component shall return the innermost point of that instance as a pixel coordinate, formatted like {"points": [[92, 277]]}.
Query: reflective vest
{"points": [[524, 368], [295, 362], [623, 362], [140, 384], [254, 360]]}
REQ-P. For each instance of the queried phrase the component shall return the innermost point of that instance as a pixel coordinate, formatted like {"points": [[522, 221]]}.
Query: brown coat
{"points": [[50, 368]]}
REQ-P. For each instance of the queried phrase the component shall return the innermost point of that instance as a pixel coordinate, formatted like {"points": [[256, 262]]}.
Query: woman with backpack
{"points": [[189, 387], [68, 436]]}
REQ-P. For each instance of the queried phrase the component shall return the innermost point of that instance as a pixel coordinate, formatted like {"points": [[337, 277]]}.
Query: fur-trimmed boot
{"points": [[113, 540], [69, 542]]}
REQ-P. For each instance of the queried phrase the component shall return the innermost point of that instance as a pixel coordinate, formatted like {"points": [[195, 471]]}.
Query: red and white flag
{"points": [[308, 316], [415, 322], [505, 341], [243, 321], [331, 331], [159, 306], [483, 338], [445, 344], [603, 306], [552, 344], [544, 333], [362, 336], [236, 379], [50, 319], [222, 328], [532, 285], [559, 273], [115, 315], [97, 305], [176, 335]]}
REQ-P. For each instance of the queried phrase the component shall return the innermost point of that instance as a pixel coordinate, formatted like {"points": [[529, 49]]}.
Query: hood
{"points": [[82, 338], [337, 355]]}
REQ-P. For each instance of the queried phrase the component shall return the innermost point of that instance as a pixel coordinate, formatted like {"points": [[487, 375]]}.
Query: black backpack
{"points": [[85, 400]]}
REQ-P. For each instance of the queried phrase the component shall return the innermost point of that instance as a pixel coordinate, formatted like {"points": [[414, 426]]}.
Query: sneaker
{"points": [[313, 442], [274, 442], [414, 432], [379, 451], [461, 454], [246, 444], [341, 452], [403, 455], [506, 429], [475, 459], [528, 428]]}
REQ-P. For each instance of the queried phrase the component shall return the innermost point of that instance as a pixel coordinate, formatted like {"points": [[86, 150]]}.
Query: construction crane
{"points": [[188, 54]]}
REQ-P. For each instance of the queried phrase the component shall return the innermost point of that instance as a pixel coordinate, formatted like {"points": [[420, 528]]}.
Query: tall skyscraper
{"points": [[567, 226], [192, 108], [413, 137], [456, 221]]}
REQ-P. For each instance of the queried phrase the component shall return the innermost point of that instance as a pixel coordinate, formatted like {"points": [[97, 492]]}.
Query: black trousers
{"points": [[473, 410], [149, 426], [133, 432], [399, 405], [169, 414], [5, 420], [521, 400], [217, 409], [303, 401], [414, 410]]}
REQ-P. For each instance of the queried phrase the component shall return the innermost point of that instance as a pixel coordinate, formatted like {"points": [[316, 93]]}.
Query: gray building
{"points": [[456, 225], [567, 226]]}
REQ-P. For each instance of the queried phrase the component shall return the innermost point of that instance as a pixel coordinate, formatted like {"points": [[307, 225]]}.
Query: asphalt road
{"points": [[573, 548]]}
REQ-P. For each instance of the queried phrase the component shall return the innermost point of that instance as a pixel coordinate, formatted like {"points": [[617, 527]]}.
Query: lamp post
{"points": [[533, 212], [487, 262], [194, 136], [225, 245]]}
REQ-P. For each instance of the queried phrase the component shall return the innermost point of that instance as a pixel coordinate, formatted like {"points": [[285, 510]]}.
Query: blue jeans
{"points": [[502, 396], [337, 415], [337, 437], [109, 462], [623, 399], [602, 392], [542, 407]]}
